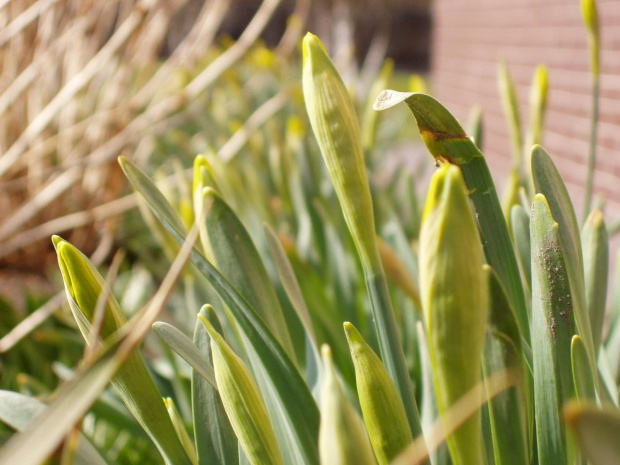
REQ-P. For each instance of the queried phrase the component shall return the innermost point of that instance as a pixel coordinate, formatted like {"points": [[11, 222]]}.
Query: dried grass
{"points": [[83, 82]]}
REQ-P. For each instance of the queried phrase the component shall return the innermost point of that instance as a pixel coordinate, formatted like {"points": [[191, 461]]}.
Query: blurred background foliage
{"points": [[159, 82]]}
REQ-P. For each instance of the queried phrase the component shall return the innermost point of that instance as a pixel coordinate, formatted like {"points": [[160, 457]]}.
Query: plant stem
{"points": [[391, 349], [592, 149]]}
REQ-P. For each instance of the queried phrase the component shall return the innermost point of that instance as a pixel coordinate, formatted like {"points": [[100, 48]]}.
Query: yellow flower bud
{"points": [[83, 285], [382, 407], [342, 437], [454, 298], [336, 128], [242, 402], [590, 18]]}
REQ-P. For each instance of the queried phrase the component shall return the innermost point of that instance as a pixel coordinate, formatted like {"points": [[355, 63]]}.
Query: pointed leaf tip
{"points": [[312, 48], [388, 98]]}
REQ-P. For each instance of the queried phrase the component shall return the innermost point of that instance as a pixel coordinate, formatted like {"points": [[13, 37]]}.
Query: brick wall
{"points": [[470, 36]]}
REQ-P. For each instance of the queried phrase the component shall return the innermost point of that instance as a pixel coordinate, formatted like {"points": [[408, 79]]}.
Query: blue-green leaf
{"points": [[552, 331], [293, 411], [547, 181], [216, 442], [184, 347], [596, 268], [502, 351]]}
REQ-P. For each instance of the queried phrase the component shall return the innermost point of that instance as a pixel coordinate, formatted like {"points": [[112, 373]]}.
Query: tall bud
{"points": [[133, 382], [589, 12], [242, 401], [382, 408], [342, 437], [454, 298], [336, 128]]}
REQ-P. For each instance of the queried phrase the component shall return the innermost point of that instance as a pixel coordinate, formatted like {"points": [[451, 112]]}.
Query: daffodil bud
{"points": [[203, 177], [538, 104], [336, 128], [136, 387], [454, 298], [83, 285], [342, 436], [382, 407], [510, 102], [589, 12], [242, 402]]}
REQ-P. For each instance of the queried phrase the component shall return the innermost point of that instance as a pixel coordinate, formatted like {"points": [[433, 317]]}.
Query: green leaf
{"points": [[133, 381], [19, 412], [242, 402], [547, 181], [343, 439], [511, 195], [454, 298], [509, 410], [582, 374], [292, 409], [520, 223], [229, 247], [609, 388], [476, 127], [184, 347], [612, 342], [383, 411], [179, 427], [335, 126], [289, 281], [552, 331], [447, 142], [596, 269], [597, 432], [215, 439]]}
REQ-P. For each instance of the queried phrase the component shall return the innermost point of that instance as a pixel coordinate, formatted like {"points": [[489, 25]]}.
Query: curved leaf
{"points": [[184, 347], [293, 411], [215, 439], [547, 181], [552, 331], [447, 142]]}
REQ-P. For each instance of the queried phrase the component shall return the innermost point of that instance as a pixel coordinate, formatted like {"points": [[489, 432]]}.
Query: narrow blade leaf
{"points": [[215, 439], [447, 142], [502, 351], [294, 412], [184, 347], [552, 331], [547, 181]]}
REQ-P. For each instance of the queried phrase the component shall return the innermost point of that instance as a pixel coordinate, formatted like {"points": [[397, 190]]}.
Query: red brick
{"points": [[469, 39]]}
